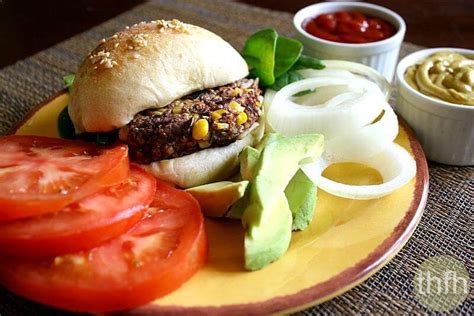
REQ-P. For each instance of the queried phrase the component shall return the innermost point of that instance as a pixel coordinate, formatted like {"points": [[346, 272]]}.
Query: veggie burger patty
{"points": [[208, 118]]}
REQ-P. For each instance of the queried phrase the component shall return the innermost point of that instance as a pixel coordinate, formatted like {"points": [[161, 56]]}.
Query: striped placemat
{"points": [[446, 227]]}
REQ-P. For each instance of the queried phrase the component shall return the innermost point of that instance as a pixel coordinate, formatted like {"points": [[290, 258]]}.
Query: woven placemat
{"points": [[446, 226]]}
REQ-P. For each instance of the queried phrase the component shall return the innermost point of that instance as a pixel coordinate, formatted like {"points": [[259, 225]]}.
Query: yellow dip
{"points": [[444, 75]]}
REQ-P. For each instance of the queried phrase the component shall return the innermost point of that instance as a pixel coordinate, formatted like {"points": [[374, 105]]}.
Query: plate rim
{"points": [[330, 288]]}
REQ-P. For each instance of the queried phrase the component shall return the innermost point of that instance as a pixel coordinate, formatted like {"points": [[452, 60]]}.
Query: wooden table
{"points": [[29, 26]]}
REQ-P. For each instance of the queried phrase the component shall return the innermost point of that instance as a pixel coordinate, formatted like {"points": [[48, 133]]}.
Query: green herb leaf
{"points": [[285, 79], [287, 53], [66, 130], [106, 138], [308, 62], [304, 92], [69, 80], [65, 126], [259, 53]]}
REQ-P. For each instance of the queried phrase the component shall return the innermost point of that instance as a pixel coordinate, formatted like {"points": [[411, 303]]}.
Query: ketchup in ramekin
{"points": [[349, 27]]}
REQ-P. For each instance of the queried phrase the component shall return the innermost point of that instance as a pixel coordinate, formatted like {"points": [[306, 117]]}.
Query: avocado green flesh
{"points": [[301, 196], [269, 242], [248, 160], [300, 192], [267, 216], [216, 198], [268, 139]]}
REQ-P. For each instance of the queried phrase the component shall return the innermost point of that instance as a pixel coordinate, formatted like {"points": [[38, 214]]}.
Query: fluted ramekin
{"points": [[445, 130], [381, 55]]}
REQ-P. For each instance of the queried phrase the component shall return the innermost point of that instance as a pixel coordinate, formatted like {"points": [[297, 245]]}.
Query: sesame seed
{"points": [[102, 58], [102, 40], [138, 41], [116, 45], [127, 27], [174, 24]]}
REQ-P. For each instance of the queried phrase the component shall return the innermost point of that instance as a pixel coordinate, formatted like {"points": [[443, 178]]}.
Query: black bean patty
{"points": [[179, 128]]}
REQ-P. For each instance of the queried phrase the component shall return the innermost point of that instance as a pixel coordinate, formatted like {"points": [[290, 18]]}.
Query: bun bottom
{"points": [[205, 166]]}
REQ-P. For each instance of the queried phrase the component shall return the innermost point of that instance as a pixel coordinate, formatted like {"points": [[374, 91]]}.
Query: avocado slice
{"points": [[300, 192], [301, 196], [268, 139], [267, 215], [268, 241], [248, 160], [216, 198]]}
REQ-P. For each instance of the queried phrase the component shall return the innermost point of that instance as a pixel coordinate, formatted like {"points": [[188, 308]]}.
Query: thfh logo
{"points": [[441, 283]]}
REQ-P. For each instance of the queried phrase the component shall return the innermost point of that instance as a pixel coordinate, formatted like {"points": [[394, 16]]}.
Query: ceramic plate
{"points": [[347, 242]]}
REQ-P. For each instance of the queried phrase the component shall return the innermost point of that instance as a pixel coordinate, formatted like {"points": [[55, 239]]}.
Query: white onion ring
{"points": [[353, 68], [267, 102], [357, 103], [396, 166], [327, 72], [348, 98], [365, 141]]}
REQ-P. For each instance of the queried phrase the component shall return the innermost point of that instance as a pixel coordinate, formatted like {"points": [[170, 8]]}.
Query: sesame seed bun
{"points": [[148, 66]]}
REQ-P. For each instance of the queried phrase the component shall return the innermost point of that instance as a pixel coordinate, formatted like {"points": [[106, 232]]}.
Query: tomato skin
{"points": [[349, 27], [82, 225], [111, 165], [53, 246], [171, 246]]}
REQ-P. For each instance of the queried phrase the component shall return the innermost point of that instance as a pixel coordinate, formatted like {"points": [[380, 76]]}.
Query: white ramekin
{"points": [[445, 130], [381, 55]]}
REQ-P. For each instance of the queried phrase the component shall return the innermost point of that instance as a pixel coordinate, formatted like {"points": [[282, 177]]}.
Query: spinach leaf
{"points": [[285, 79], [65, 126], [259, 53], [66, 130], [69, 80], [275, 59], [287, 53], [304, 92], [308, 62]]}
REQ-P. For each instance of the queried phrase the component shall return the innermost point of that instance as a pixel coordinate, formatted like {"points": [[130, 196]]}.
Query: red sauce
{"points": [[349, 27]]}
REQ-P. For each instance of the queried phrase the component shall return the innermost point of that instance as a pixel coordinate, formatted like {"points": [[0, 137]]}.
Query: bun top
{"points": [[147, 66]]}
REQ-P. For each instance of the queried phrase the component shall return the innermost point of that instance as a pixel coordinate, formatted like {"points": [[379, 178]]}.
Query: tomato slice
{"points": [[154, 258], [40, 175], [81, 225]]}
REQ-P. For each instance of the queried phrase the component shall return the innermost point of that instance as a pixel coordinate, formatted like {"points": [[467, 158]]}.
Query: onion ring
{"points": [[350, 104], [354, 69], [396, 166], [365, 141]]}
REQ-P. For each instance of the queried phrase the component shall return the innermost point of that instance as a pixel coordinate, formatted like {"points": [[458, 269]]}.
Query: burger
{"points": [[179, 96]]}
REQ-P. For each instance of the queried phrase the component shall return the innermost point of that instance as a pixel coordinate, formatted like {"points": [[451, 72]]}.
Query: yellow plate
{"points": [[347, 242]]}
